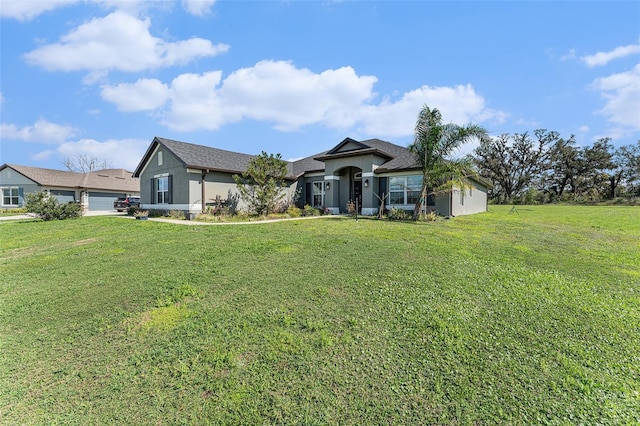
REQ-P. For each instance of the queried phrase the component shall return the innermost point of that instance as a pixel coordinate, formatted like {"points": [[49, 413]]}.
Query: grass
{"points": [[529, 317]]}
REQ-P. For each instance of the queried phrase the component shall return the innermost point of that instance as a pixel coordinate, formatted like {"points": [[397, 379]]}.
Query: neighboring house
{"points": [[93, 190], [182, 176]]}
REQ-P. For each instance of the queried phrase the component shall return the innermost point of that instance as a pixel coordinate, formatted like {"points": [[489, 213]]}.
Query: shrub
{"points": [[430, 216], [131, 210], [310, 211], [177, 214], [18, 210], [48, 207], [398, 214], [294, 211]]}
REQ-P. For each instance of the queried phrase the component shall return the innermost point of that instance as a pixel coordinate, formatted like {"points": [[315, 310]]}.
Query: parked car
{"points": [[123, 203]]}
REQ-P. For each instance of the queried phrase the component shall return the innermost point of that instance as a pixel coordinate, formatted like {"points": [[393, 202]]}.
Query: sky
{"points": [[102, 78]]}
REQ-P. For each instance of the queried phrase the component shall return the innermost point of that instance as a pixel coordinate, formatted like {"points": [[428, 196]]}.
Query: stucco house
{"points": [[95, 190], [182, 176]]}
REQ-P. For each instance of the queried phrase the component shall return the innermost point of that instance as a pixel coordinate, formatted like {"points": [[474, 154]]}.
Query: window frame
{"points": [[162, 189], [314, 187], [410, 190], [10, 197]]}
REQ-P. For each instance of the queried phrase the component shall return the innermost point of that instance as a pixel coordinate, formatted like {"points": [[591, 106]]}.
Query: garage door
{"points": [[64, 196], [100, 201]]}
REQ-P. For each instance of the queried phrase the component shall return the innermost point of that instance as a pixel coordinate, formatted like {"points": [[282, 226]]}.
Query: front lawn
{"points": [[513, 318]]}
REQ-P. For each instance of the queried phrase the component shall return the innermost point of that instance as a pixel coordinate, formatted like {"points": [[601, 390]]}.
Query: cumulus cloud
{"points": [[622, 94], [143, 95], [118, 41], [120, 153], [198, 7], [290, 98], [42, 131], [25, 10], [603, 58], [459, 104]]}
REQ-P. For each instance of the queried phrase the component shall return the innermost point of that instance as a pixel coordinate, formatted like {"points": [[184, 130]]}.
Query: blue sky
{"points": [[102, 78]]}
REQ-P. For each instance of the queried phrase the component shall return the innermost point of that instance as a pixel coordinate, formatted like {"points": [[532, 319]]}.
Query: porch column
{"points": [[370, 203], [332, 193]]}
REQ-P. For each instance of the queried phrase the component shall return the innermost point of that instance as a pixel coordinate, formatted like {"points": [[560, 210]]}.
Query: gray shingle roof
{"points": [[107, 179], [205, 157]]}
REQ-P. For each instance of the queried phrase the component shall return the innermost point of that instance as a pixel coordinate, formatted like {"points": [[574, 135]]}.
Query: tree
{"points": [[627, 163], [566, 164], [83, 163], [515, 163], [261, 186], [433, 145], [48, 208]]}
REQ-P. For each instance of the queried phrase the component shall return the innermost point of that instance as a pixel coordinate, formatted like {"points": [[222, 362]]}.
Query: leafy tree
{"points": [[433, 145], [47, 207], [627, 162], [515, 163], [261, 186], [598, 180]]}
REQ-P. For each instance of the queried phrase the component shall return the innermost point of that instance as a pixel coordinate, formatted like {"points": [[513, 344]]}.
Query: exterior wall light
{"points": [[327, 186], [366, 183]]}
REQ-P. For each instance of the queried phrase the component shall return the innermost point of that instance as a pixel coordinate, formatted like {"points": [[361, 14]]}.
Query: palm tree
{"points": [[433, 145]]}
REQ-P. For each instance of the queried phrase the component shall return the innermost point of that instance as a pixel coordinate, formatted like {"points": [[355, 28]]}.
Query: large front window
{"points": [[404, 190], [318, 194], [163, 190], [10, 197]]}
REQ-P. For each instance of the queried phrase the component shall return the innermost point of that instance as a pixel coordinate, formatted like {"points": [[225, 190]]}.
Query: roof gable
{"points": [[347, 145]]}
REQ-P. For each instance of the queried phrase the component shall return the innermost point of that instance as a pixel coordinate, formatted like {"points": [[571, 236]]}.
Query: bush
{"points": [[430, 216], [310, 211], [398, 214], [17, 210], [48, 207], [294, 211], [177, 214]]}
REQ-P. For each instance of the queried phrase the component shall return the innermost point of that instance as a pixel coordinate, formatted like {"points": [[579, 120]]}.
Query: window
{"points": [[10, 197], [404, 189], [161, 189], [318, 194]]}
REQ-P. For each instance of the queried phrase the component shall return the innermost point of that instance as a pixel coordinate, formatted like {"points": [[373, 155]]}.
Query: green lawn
{"points": [[523, 318]]}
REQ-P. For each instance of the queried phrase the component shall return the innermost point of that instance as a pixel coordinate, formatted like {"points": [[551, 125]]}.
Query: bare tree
{"points": [[83, 163]]}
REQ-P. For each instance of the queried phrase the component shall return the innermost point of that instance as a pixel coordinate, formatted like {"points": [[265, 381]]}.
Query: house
{"points": [[95, 190], [182, 176]]}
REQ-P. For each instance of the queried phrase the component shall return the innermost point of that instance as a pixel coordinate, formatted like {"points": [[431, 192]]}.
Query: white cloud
{"points": [[622, 94], [120, 153], [603, 58], [25, 10], [290, 98], [118, 41], [143, 95], [459, 104], [42, 131], [198, 7], [271, 91]]}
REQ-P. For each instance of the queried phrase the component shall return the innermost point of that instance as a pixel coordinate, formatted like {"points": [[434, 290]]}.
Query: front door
{"points": [[357, 193]]}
